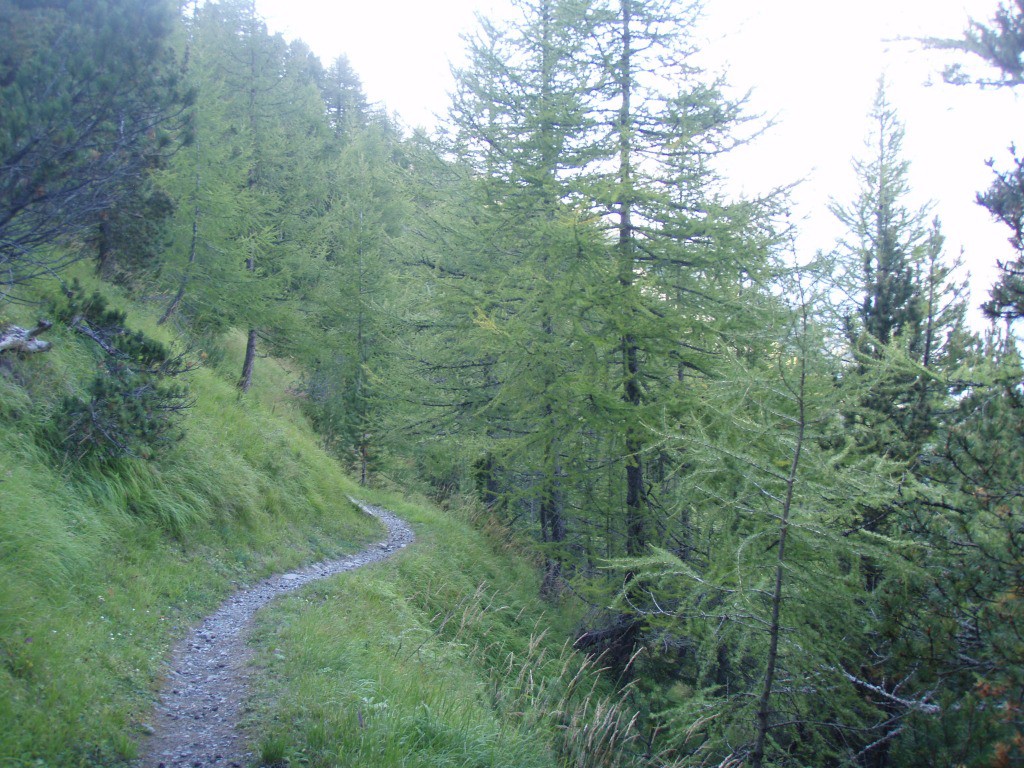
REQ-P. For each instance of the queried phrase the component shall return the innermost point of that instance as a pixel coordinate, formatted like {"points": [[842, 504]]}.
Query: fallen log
{"points": [[24, 341]]}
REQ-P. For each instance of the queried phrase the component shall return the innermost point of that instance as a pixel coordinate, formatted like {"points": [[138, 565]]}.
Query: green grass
{"points": [[442, 656], [102, 568]]}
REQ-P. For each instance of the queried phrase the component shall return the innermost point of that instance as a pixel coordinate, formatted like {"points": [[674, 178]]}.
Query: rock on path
{"points": [[196, 720]]}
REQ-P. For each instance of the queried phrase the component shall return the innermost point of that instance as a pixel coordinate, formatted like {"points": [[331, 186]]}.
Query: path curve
{"points": [[196, 721]]}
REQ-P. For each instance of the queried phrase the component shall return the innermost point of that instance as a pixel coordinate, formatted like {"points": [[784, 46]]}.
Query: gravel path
{"points": [[196, 721]]}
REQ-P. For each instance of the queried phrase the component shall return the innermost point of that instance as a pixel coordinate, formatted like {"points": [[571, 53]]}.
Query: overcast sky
{"points": [[812, 65]]}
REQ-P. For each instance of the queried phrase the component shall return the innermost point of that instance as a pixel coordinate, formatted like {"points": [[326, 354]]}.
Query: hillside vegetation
{"points": [[444, 657], [103, 565], [775, 494]]}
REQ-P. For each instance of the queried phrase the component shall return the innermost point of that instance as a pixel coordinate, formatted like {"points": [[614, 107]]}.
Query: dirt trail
{"points": [[196, 720]]}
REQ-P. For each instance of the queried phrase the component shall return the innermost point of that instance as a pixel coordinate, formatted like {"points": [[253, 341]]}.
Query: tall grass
{"points": [[442, 657], [103, 566]]}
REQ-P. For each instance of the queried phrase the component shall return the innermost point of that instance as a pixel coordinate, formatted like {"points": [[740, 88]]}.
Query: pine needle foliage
{"points": [[134, 407]]}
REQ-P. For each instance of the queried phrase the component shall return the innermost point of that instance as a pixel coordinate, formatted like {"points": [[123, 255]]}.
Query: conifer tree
{"points": [[521, 111], [347, 108], [768, 606], [902, 297], [87, 93], [999, 44], [248, 181], [581, 342], [886, 244], [353, 300], [682, 261]]}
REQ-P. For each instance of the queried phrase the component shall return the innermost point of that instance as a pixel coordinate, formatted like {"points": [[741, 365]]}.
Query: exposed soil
{"points": [[196, 722]]}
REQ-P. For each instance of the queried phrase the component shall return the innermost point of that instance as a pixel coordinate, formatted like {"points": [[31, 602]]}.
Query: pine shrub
{"points": [[133, 407]]}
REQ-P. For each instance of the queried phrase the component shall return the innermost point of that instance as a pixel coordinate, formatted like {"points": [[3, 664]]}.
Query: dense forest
{"points": [[782, 492]]}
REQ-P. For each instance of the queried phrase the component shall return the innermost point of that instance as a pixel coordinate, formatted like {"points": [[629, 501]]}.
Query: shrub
{"points": [[133, 407]]}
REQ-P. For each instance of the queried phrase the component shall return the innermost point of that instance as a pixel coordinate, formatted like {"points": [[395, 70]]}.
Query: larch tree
{"points": [[353, 302], [521, 112], [259, 122], [342, 90], [767, 608], [682, 256], [904, 301], [885, 247]]}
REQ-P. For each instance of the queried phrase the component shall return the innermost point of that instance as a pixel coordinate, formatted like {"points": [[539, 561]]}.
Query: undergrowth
{"points": [[442, 656]]}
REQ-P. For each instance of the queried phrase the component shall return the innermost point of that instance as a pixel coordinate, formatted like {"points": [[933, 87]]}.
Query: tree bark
{"points": [[636, 535], [245, 382]]}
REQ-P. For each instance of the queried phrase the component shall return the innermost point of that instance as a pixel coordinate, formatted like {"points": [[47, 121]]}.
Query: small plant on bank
{"points": [[132, 408]]}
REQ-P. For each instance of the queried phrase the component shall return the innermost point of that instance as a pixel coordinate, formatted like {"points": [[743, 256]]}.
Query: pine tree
{"points": [[87, 93]]}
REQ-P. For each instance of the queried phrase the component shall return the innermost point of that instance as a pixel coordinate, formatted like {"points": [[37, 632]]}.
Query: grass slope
{"points": [[101, 569], [442, 656]]}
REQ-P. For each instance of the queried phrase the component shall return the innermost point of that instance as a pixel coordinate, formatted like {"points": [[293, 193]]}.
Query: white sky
{"points": [[813, 65]]}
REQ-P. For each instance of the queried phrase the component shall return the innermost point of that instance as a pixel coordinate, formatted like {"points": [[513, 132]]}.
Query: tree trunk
{"points": [[173, 306], [22, 341], [245, 382], [636, 535], [775, 626]]}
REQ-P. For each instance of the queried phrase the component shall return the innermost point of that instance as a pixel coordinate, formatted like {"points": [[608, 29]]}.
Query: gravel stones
{"points": [[195, 724]]}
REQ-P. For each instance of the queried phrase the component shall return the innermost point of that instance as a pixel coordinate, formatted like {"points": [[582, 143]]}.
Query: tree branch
{"points": [[22, 341]]}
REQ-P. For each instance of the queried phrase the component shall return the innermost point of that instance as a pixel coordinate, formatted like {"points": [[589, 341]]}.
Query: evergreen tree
{"points": [[86, 93], [351, 307], [249, 182], [962, 637], [342, 90], [684, 261], [902, 301], [1000, 45], [768, 606], [521, 115], [887, 241]]}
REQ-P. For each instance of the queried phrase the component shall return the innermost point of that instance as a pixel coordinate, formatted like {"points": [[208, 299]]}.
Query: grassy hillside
{"points": [[103, 566], [442, 656]]}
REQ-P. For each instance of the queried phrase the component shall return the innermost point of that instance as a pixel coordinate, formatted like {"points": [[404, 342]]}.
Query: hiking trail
{"points": [[202, 701]]}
